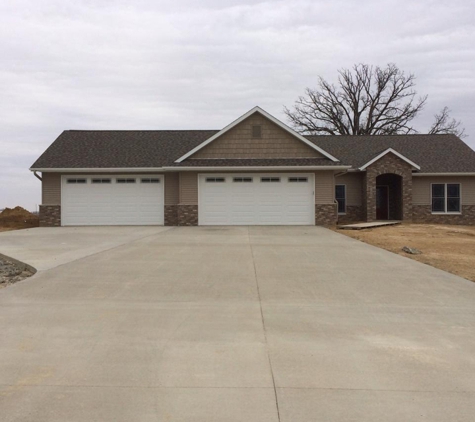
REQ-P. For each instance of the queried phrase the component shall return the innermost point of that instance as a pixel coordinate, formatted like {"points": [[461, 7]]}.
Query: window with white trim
{"points": [[298, 179], [100, 181], [215, 180], [445, 198], [242, 179], [270, 179], [75, 181], [340, 196], [122, 181], [149, 180]]}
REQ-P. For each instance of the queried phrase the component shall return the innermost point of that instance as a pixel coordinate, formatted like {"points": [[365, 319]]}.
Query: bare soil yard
{"points": [[450, 248]]}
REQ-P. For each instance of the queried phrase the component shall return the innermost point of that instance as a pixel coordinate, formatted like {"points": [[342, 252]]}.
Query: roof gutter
{"points": [[166, 169], [98, 169], [444, 174], [256, 168]]}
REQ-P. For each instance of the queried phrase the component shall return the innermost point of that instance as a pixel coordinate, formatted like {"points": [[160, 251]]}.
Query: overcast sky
{"points": [[143, 64]]}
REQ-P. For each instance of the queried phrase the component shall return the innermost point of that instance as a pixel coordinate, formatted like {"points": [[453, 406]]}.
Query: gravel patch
{"points": [[11, 273]]}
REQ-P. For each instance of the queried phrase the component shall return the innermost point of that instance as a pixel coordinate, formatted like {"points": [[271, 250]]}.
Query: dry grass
{"points": [[450, 248]]}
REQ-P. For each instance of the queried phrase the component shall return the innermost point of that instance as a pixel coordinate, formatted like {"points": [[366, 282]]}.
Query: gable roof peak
{"points": [[265, 114], [392, 151]]}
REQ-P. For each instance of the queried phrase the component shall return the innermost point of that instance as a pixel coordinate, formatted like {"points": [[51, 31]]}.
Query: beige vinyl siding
{"points": [[274, 143], [354, 187], [421, 188], [51, 189], [172, 189], [324, 187], [189, 188]]}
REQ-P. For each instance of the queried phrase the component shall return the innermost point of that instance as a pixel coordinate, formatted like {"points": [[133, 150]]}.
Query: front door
{"points": [[382, 198]]}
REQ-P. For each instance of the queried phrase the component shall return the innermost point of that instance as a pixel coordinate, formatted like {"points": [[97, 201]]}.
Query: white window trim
{"points": [[300, 179], [341, 184], [445, 201]]}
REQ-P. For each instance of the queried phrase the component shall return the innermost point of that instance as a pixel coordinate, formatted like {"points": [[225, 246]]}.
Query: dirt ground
{"points": [[17, 218], [450, 248]]}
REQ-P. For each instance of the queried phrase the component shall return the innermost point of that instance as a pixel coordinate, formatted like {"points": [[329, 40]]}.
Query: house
{"points": [[255, 171]]}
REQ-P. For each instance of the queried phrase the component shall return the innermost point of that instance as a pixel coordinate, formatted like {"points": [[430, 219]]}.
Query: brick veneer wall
{"points": [[423, 214], [326, 214], [390, 163], [354, 214], [187, 215], [171, 215], [50, 215]]}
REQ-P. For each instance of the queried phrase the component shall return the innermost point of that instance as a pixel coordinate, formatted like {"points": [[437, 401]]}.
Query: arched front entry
{"points": [[389, 198]]}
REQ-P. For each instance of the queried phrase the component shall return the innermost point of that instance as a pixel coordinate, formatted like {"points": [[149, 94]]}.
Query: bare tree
{"points": [[443, 124], [366, 101]]}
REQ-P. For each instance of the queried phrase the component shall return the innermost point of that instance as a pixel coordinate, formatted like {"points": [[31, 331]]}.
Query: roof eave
{"points": [[97, 169], [255, 168], [193, 168], [446, 174]]}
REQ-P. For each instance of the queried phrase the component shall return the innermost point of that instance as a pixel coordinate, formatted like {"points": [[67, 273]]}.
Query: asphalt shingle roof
{"points": [[120, 149], [135, 148], [433, 153]]}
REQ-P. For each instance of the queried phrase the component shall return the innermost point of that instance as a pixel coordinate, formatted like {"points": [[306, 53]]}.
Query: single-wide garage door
{"points": [[256, 199], [112, 200]]}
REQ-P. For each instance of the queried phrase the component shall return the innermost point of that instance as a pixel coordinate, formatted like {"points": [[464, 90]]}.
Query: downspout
{"points": [[38, 177]]}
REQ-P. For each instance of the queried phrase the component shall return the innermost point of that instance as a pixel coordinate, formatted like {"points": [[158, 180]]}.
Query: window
{"points": [[340, 196], [101, 181], [446, 198], [125, 180], [270, 179], [256, 131], [150, 180], [215, 180], [74, 181], [242, 179], [298, 179]]}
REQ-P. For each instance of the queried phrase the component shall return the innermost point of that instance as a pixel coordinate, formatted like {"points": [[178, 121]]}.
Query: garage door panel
{"points": [[112, 203], [255, 203]]}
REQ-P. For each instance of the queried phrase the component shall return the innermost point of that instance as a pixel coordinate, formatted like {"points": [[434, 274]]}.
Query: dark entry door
{"points": [[382, 206]]}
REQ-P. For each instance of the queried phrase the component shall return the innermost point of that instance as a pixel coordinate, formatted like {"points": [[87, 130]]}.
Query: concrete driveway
{"points": [[231, 324]]}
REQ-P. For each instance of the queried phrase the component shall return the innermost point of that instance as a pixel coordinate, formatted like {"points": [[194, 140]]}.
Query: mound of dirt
{"points": [[16, 212], [18, 218]]}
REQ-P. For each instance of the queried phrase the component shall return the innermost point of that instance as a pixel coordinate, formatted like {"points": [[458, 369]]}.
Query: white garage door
{"points": [[112, 200], [256, 199]]}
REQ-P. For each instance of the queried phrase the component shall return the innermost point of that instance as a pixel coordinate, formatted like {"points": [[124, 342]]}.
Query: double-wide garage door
{"points": [[256, 199], [112, 200]]}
